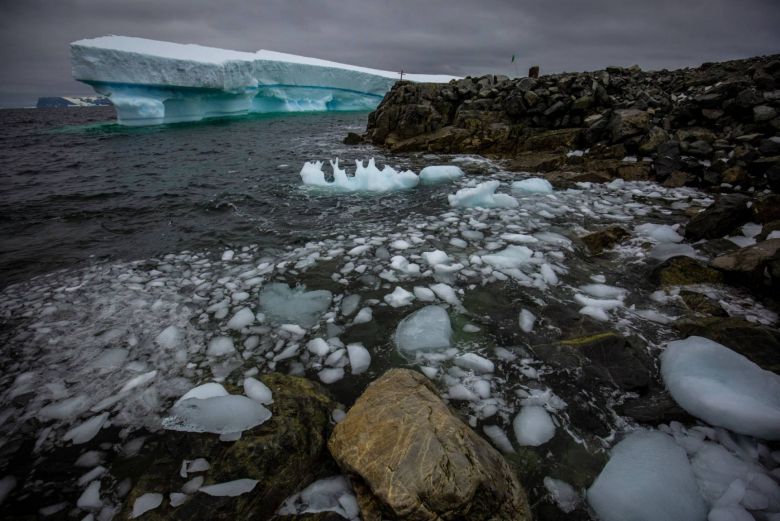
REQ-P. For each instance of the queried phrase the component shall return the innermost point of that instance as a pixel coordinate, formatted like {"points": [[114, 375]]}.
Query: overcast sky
{"points": [[457, 37]]}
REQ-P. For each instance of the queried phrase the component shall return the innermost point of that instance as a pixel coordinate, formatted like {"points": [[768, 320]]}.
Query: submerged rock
{"points": [[419, 461], [284, 454]]}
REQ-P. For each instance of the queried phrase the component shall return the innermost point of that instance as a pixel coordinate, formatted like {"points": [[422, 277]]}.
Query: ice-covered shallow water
{"points": [[230, 268]]}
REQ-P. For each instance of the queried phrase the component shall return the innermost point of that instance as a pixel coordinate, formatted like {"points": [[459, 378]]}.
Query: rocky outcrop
{"points": [[285, 454], [710, 125], [412, 459]]}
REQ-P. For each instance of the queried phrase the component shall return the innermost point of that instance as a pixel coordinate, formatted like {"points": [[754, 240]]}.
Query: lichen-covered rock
{"points": [[284, 454], [682, 271], [419, 461], [604, 239]]}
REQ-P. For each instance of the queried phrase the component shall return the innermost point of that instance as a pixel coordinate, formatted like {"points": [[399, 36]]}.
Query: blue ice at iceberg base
{"points": [[152, 82]]}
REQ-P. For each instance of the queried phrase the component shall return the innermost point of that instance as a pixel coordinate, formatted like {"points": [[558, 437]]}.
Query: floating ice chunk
{"points": [[475, 363], [218, 415], [594, 312], [549, 276], [722, 387], [170, 338], [297, 306], [177, 499], [230, 488], [659, 232], [533, 426], [399, 297], [499, 438], [400, 244], [526, 320], [330, 375], [201, 392], [519, 237], [90, 458], [562, 493], [138, 381], [363, 316], [435, 257], [318, 346], [366, 179], [350, 304], [426, 329], [145, 503], [605, 304], [603, 291], [461, 392], [667, 250], [424, 294], [84, 432], [510, 257], [535, 185], [244, 317], [647, 478], [482, 196], [359, 358], [257, 390], [221, 346], [332, 494], [446, 293], [90, 498], [471, 328], [440, 174], [65, 409]]}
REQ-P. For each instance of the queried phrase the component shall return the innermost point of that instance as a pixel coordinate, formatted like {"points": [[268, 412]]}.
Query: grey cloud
{"points": [[458, 37]]}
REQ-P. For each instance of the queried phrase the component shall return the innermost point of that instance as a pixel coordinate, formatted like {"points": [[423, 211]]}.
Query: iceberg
{"points": [[152, 82], [366, 179]]}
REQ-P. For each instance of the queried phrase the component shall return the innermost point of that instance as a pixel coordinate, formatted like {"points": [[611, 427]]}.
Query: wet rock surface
{"points": [[418, 460]]}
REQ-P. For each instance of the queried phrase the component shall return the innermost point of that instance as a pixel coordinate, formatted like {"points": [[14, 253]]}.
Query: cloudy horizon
{"points": [[457, 37]]}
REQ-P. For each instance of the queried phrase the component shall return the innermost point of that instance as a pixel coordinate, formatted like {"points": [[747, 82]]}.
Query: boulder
{"points": [[627, 123], [683, 271], [719, 219], [419, 461], [748, 265], [284, 454], [604, 239]]}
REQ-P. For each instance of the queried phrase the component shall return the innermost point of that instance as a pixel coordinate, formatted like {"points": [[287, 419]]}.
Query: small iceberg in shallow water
{"points": [[366, 179], [426, 329], [435, 174], [218, 414], [287, 305], [534, 185], [482, 196]]}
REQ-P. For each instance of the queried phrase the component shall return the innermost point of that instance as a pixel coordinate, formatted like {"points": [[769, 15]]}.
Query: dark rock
{"points": [[604, 239], [719, 219], [653, 140], [735, 175], [766, 208], [702, 304], [747, 265], [770, 146], [353, 139], [763, 113], [626, 123], [419, 461], [285, 454], [759, 343], [768, 228], [654, 408], [683, 271], [607, 357], [677, 179]]}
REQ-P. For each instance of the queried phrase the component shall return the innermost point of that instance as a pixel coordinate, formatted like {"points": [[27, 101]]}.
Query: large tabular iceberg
{"points": [[152, 82]]}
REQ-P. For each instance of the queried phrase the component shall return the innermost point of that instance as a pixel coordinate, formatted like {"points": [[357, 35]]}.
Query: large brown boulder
{"points": [[719, 219], [419, 461]]}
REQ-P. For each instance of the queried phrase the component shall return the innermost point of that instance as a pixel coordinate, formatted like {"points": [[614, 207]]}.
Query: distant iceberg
{"points": [[152, 82]]}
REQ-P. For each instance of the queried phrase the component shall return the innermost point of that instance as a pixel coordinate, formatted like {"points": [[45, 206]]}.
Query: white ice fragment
{"points": [[426, 329], [527, 320], [535, 185], [482, 196], [227, 255], [350, 304], [461, 392], [330, 375], [207, 390], [112, 358], [363, 316], [400, 244], [533, 426], [230, 488], [359, 358], [87, 430], [435, 257], [146, 502], [170, 338], [647, 478], [244, 317], [722, 387], [90, 498], [471, 328], [138, 381], [475, 362], [446, 293], [424, 294], [332, 494], [562, 493], [297, 306], [399, 297], [318, 346], [663, 233], [549, 276], [439, 174], [177, 499], [65, 409], [221, 346], [603, 291], [519, 237], [366, 179], [665, 251], [510, 257], [257, 390], [219, 415], [499, 438]]}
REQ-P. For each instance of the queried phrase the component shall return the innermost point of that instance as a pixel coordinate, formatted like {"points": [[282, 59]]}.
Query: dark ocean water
{"points": [[76, 187]]}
